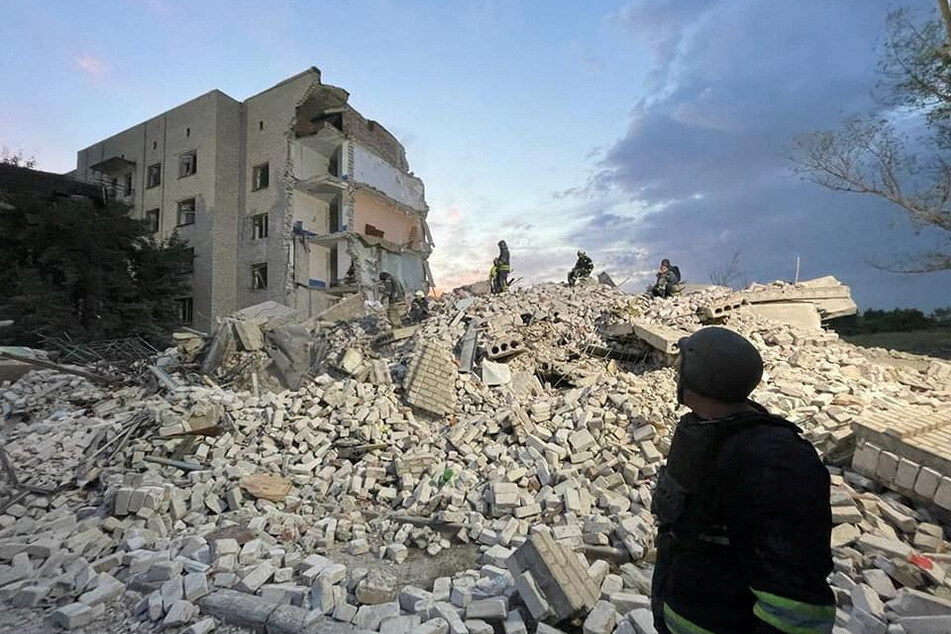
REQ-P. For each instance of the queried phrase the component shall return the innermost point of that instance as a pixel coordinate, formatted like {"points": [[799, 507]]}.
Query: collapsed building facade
{"points": [[280, 196]]}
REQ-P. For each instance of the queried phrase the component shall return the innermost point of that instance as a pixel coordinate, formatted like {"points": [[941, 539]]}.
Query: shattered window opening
{"points": [[186, 310], [259, 226], [188, 164], [259, 276], [260, 176], [152, 217], [153, 177], [190, 265], [186, 212]]}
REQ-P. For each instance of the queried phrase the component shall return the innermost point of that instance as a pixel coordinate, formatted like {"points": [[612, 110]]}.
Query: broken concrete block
{"points": [[78, 614], [432, 626], [30, 596], [400, 624], [487, 610], [560, 576], [204, 626], [195, 586], [257, 577], [478, 626], [601, 620], [916, 603], [369, 617], [643, 621], [495, 373], [248, 334], [107, 589], [379, 586], [532, 596], [322, 595], [180, 613]]}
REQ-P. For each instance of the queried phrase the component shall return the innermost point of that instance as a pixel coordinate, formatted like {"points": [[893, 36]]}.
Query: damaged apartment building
{"points": [[291, 195]]}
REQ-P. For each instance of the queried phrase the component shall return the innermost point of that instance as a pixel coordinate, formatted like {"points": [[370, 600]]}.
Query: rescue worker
{"points": [[393, 292], [419, 307], [742, 507], [350, 279], [494, 277], [503, 268], [583, 268], [668, 280]]}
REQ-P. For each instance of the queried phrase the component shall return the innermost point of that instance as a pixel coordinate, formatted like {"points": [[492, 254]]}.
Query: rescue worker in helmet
{"points": [[419, 307], [668, 280], [503, 268], [744, 522], [494, 277], [582, 269], [392, 290]]}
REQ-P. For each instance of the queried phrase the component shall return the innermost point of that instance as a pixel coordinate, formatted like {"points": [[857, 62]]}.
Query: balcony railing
{"points": [[114, 191]]}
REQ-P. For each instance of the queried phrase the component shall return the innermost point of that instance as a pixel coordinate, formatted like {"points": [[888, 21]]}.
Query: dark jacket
{"points": [[667, 278], [504, 258], [393, 290], [584, 265], [744, 530]]}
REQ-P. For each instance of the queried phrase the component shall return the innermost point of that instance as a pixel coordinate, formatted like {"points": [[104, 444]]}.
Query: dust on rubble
{"points": [[427, 477]]}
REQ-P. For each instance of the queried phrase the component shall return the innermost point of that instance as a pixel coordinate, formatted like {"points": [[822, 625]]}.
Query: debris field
{"points": [[488, 470]]}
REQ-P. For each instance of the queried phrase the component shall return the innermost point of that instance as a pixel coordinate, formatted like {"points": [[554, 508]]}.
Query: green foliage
{"points": [[898, 320], [68, 266]]}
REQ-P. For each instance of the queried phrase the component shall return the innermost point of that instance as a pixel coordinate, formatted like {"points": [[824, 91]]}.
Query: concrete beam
{"points": [[660, 337], [799, 314]]}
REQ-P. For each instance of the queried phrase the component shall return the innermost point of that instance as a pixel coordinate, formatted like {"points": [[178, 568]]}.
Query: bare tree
{"points": [[729, 273], [17, 159], [867, 155]]}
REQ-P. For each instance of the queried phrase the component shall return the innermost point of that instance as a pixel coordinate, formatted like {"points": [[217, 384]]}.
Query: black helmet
{"points": [[665, 262], [501, 243], [384, 275], [719, 364]]}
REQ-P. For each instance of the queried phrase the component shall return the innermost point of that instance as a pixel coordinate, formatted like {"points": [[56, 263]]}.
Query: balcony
{"points": [[324, 186], [115, 176], [113, 189]]}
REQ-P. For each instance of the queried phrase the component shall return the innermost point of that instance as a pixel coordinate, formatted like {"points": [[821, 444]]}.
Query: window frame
{"points": [[157, 225], [186, 310], [261, 168], [263, 226], [259, 283], [193, 154], [194, 211], [154, 168]]}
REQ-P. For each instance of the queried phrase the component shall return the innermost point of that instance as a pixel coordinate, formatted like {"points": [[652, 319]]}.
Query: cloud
{"points": [[701, 170], [91, 65]]}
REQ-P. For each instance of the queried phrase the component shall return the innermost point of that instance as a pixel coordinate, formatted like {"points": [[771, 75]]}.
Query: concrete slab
{"points": [[800, 315], [660, 337]]}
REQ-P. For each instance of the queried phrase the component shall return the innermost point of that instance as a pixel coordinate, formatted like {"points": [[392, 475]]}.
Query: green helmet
{"points": [[719, 364]]}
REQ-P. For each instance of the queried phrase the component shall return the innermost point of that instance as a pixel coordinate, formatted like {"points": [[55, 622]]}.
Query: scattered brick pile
{"points": [[325, 501]]}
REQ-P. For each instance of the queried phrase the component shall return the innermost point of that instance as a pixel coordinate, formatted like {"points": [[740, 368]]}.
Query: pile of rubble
{"points": [[525, 428]]}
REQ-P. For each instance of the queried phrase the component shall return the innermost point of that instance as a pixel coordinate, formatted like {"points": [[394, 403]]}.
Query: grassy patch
{"points": [[934, 342]]}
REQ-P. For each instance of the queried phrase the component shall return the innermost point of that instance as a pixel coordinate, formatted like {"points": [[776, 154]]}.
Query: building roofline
{"points": [[313, 70]]}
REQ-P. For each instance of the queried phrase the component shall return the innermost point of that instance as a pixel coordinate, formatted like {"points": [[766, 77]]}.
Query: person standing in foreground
{"points": [[742, 507]]}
